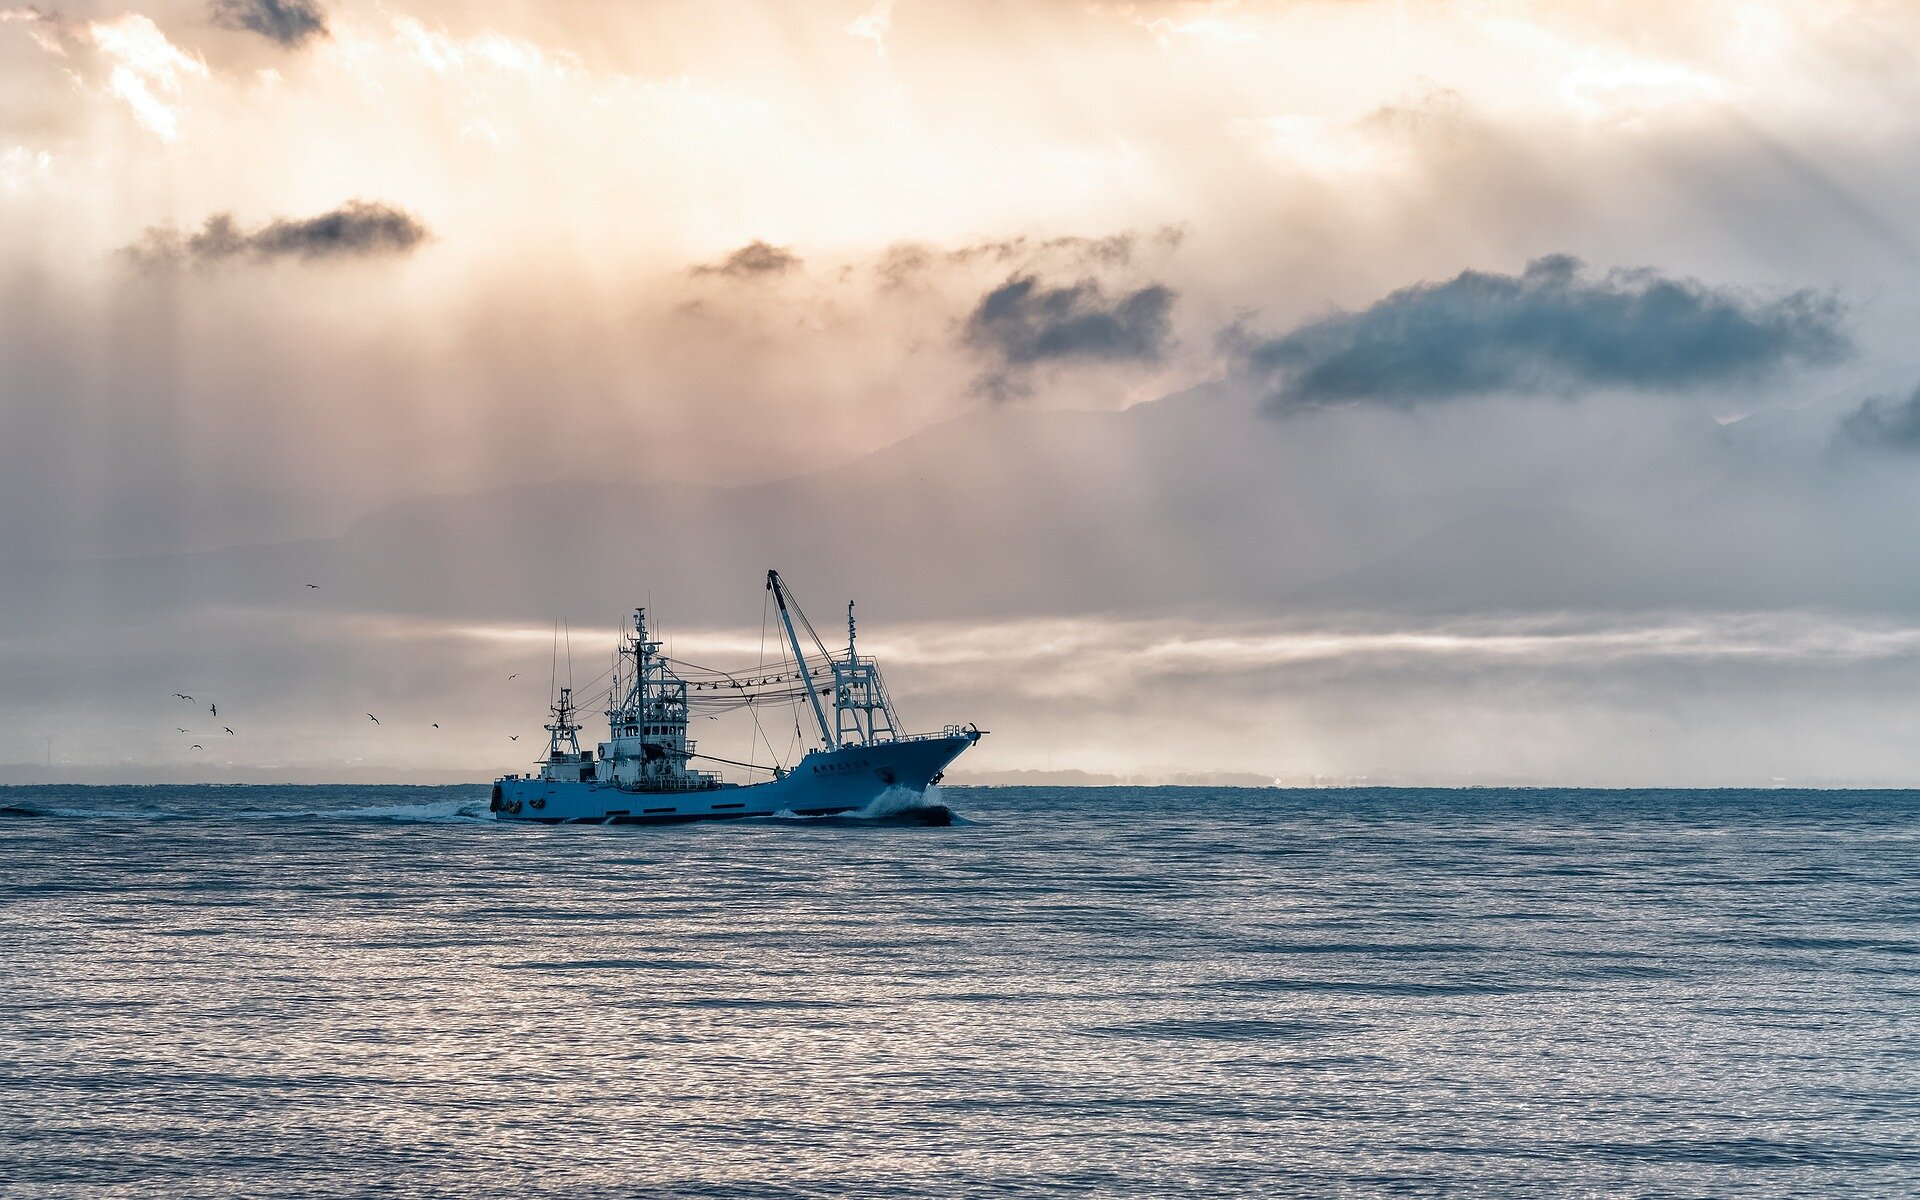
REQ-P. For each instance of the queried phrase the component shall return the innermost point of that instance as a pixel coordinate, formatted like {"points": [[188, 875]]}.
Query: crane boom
{"points": [[779, 591]]}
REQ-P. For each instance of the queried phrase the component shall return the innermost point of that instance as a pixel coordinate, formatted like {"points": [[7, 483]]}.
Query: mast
{"points": [[563, 733], [800, 660], [862, 714]]}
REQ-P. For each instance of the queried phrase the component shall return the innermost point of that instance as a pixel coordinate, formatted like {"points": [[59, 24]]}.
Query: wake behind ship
{"points": [[644, 772]]}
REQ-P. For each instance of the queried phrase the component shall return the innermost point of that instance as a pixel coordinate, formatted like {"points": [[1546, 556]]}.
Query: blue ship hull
{"points": [[823, 783]]}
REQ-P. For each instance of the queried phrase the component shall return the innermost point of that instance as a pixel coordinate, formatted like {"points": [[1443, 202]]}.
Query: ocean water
{"points": [[256, 991]]}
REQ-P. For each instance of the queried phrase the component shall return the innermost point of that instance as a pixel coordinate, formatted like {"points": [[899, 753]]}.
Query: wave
{"points": [[443, 812], [897, 800], [895, 806], [458, 810], [29, 812]]}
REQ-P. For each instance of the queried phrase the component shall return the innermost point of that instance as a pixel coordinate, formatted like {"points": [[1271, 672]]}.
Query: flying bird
{"points": [[198, 746], [314, 586], [183, 730], [181, 696], [436, 724], [513, 737], [213, 710], [513, 677], [228, 730], [374, 719]]}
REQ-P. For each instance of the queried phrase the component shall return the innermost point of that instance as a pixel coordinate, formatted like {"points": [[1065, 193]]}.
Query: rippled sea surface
{"points": [[259, 991]]}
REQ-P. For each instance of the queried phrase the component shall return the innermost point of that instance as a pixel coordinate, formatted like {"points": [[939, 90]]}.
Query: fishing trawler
{"points": [[645, 772]]}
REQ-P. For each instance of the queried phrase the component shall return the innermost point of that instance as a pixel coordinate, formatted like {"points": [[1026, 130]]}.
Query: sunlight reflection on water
{"points": [[1129, 991]]}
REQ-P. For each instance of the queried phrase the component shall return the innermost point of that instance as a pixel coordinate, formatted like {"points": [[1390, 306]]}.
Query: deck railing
{"points": [[950, 731]]}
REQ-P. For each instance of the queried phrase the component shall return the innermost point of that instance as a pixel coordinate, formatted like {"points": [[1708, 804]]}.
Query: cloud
{"points": [[128, 59], [147, 70], [1886, 422], [1023, 323], [901, 263], [752, 260], [357, 228], [873, 25], [1555, 327], [486, 54], [50, 31], [289, 22], [1113, 250]]}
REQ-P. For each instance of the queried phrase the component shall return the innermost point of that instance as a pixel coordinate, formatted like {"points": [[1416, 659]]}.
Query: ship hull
{"points": [[823, 783]]}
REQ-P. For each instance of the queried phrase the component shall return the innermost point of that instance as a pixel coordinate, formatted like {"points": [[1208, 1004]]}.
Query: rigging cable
{"points": [[753, 710]]}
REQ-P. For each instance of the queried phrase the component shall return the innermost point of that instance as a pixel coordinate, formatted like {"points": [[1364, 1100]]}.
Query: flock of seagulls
{"points": [[213, 709]]}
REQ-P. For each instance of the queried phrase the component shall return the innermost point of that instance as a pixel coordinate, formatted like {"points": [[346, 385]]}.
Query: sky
{"points": [[1477, 391]]}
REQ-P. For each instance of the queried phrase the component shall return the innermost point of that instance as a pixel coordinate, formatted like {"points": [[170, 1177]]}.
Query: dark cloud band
{"points": [[356, 229], [288, 22], [753, 260], [1886, 422], [1554, 328], [1022, 322]]}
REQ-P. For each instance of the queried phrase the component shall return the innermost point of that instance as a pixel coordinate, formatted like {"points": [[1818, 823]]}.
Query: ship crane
{"points": [[779, 591], [862, 712]]}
